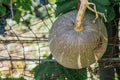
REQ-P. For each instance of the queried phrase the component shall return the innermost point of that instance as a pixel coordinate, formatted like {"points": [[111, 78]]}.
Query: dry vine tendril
{"points": [[84, 5]]}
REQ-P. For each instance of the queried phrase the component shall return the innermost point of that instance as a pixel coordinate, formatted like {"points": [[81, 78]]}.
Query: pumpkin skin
{"points": [[77, 49]]}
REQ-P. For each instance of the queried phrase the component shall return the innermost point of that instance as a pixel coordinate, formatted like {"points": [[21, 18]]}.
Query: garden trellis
{"points": [[24, 50]]}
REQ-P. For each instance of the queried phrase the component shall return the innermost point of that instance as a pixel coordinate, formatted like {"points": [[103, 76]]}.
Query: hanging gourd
{"points": [[78, 39]]}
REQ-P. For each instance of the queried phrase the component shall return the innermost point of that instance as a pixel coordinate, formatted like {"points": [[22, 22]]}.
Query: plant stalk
{"points": [[80, 16]]}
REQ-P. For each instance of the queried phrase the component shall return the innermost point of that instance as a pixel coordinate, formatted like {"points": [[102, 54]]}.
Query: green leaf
{"points": [[26, 4], [48, 70], [66, 6], [115, 1], [60, 0], [3, 10], [62, 78], [110, 13], [107, 10], [52, 1], [105, 2], [23, 5], [1, 1], [17, 16], [105, 7], [75, 74], [7, 2]]}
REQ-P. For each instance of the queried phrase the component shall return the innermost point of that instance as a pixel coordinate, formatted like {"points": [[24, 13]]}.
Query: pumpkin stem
{"points": [[84, 5], [81, 12]]}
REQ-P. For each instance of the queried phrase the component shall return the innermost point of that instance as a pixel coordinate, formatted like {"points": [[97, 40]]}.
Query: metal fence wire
{"points": [[25, 45]]}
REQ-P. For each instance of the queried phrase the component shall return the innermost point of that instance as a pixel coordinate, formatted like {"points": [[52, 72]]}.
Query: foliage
{"points": [[4, 14], [3, 11], [43, 12], [8, 10], [21, 6], [21, 78], [67, 5], [101, 6], [18, 6], [51, 70]]}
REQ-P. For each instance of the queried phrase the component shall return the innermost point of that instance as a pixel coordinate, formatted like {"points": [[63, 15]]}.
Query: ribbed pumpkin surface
{"points": [[77, 49]]}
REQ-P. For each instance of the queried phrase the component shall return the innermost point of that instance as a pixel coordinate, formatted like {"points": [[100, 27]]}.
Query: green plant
{"points": [[18, 6], [21, 78], [51, 70], [105, 7], [12, 9]]}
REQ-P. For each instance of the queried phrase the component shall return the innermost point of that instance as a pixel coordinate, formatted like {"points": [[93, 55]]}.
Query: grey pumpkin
{"points": [[77, 49]]}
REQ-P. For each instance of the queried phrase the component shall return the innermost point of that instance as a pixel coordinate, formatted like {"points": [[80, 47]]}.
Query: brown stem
{"points": [[81, 12]]}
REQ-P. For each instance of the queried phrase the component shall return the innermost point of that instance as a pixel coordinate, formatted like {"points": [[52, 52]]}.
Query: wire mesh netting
{"points": [[25, 46]]}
